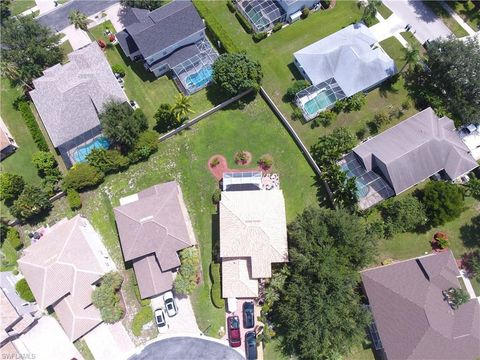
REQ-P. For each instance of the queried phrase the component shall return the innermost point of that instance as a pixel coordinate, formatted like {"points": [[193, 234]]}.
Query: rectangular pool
{"points": [[80, 153], [322, 100]]}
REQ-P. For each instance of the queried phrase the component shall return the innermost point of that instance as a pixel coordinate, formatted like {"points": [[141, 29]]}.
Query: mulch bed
{"points": [[222, 167]]}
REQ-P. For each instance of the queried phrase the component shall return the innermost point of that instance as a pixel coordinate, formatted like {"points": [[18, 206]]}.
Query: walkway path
{"points": [[457, 18], [386, 28]]}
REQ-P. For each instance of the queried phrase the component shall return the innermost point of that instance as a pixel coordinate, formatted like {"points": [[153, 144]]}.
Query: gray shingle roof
{"points": [[349, 58], [415, 149], [162, 27], [68, 97], [412, 318]]}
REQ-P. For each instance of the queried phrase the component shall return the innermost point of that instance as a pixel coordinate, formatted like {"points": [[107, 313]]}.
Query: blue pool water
{"points": [[200, 78], [362, 189], [321, 101], [80, 153]]}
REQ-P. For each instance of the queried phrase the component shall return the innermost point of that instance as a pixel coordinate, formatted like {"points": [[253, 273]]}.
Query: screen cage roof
{"points": [[245, 180], [262, 14]]}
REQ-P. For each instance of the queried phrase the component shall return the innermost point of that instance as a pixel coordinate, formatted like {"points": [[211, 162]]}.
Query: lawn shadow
{"points": [[470, 233], [137, 67], [388, 86], [216, 237], [294, 70], [322, 197], [215, 94]]}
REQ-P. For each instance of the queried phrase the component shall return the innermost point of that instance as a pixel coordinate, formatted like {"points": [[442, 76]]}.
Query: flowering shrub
{"points": [[215, 161], [241, 157]]}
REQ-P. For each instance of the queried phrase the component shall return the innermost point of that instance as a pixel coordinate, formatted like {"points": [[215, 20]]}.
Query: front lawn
{"points": [[19, 6], [448, 20], [468, 12], [384, 11]]}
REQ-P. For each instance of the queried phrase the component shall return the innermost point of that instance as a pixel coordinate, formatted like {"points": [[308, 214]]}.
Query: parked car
{"points": [[251, 345], [160, 320], [234, 338], [248, 315], [170, 304]]}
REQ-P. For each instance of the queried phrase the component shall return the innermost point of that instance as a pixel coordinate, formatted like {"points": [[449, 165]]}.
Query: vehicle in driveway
{"points": [[170, 304], [250, 345], [234, 338], [160, 320], [248, 315]]}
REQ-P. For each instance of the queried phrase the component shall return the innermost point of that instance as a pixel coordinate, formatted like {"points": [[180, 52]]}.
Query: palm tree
{"points": [[10, 70], [411, 56], [182, 107], [79, 20], [371, 9]]}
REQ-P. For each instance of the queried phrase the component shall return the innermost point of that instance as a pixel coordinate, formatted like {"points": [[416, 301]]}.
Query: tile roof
{"points": [[253, 225], [349, 57], [9, 316], [412, 317], [415, 149], [150, 278], [69, 97], [236, 280]]}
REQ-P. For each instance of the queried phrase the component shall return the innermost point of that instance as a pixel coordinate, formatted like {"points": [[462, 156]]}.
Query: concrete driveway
{"points": [[425, 24], [57, 19], [109, 341], [187, 348], [183, 322]]}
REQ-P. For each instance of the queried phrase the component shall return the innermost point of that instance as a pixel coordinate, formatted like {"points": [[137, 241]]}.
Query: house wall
{"points": [[199, 35], [300, 68], [295, 6]]}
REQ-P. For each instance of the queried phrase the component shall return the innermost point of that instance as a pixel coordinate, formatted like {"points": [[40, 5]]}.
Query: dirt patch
{"points": [[243, 158]]}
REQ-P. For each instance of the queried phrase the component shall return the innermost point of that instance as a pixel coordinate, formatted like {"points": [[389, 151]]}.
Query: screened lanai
{"points": [[317, 98], [262, 14], [196, 72]]}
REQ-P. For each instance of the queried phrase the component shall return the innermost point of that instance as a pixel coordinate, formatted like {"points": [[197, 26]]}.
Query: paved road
{"points": [[58, 18], [187, 348], [414, 12]]}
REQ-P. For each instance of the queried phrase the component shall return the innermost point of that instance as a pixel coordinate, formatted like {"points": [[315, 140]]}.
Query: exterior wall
{"points": [[296, 5], [164, 52], [300, 68]]}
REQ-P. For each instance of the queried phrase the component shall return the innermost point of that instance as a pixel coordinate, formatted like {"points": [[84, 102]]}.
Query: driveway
{"points": [[7, 282], [58, 18], [109, 341], [425, 24], [187, 348]]}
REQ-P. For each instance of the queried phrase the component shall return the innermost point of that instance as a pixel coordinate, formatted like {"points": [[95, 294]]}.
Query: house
{"points": [[69, 98], [253, 235], [341, 65], [154, 226], [62, 268], [409, 153], [7, 143], [13, 324], [412, 319], [470, 135], [170, 38]]}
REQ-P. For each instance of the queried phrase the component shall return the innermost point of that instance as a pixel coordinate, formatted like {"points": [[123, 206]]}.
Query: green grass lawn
{"points": [[143, 87], [8, 258], [468, 12], [384, 11], [66, 48], [19, 6], [449, 21], [395, 50]]}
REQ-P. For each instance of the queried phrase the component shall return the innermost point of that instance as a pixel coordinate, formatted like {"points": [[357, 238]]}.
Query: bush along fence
{"points": [[32, 125]]}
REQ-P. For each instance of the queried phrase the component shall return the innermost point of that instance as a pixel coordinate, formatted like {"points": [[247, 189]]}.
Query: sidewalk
{"points": [[457, 18], [392, 26]]}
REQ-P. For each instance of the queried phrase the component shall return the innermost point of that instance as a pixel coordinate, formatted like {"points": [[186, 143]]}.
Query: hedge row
{"points": [[215, 30], [32, 125], [244, 22], [216, 290]]}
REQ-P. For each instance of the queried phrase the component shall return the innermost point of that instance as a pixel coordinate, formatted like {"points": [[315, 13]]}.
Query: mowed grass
{"points": [[19, 6], [184, 158], [384, 11], [468, 12], [142, 86], [448, 20]]}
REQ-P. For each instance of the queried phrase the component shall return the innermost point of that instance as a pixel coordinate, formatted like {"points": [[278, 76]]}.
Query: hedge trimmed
{"points": [[144, 316], [215, 29], [74, 200], [216, 291], [13, 237], [231, 7], [32, 125], [244, 22], [24, 290]]}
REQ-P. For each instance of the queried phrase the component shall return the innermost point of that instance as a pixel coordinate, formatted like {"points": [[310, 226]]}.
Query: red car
{"points": [[233, 324]]}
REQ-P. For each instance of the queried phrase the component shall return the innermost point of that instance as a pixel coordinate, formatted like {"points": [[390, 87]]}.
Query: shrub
{"points": [[108, 161], [32, 202], [143, 302], [355, 102], [339, 106], [277, 27], [259, 36], [360, 134], [326, 118], [241, 157], [441, 239], [216, 291], [402, 214], [443, 202], [118, 69], [215, 162], [105, 298], [13, 237], [147, 144], [82, 176], [406, 105], [244, 22], [165, 119], [231, 7], [74, 200], [458, 297], [297, 114], [265, 162], [305, 13], [144, 316], [11, 186], [44, 161], [472, 262], [24, 290], [32, 125], [186, 278], [216, 196], [3, 232], [293, 89]]}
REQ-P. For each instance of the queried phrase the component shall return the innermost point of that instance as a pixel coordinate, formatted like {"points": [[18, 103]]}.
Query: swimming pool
{"points": [[200, 78], [321, 101], [80, 153], [362, 189]]}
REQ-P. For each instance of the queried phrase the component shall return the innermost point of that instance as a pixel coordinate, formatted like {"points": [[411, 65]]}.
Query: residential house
{"points": [[407, 154], [62, 269], [154, 226], [253, 235], [7, 143], [412, 319], [13, 324], [69, 98], [170, 38], [341, 65]]}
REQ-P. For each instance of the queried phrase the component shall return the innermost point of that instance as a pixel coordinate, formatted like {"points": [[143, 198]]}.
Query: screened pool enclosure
{"points": [[262, 14]]}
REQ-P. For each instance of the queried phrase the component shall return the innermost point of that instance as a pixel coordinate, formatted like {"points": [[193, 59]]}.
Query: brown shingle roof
{"points": [[412, 318]]}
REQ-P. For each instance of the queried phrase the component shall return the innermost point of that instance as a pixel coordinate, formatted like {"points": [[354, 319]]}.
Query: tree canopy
{"points": [[11, 186], [82, 176], [329, 148], [449, 82], [402, 214], [235, 73], [32, 202], [319, 304], [443, 202], [29, 48], [144, 4]]}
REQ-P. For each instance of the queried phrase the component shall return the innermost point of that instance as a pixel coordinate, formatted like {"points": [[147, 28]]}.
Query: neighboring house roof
{"points": [[154, 222], [159, 29], [253, 225], [9, 316], [415, 149], [236, 280], [6, 139], [413, 319], [69, 97], [350, 57], [61, 269]]}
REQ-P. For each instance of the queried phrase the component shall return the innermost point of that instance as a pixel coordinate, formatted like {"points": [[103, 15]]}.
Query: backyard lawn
{"points": [[142, 86], [449, 21], [19, 6]]}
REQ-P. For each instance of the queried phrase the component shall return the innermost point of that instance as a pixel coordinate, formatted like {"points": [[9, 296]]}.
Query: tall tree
{"points": [[79, 20], [32, 202], [29, 47], [330, 147], [443, 202], [344, 189], [182, 107], [370, 10], [411, 56]]}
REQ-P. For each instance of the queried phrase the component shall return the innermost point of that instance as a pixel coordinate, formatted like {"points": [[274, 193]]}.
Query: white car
{"points": [[170, 304], [161, 321]]}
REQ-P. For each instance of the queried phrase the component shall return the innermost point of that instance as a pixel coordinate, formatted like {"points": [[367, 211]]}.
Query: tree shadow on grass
{"points": [[470, 233], [216, 237], [137, 67], [215, 94], [294, 70], [388, 86]]}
